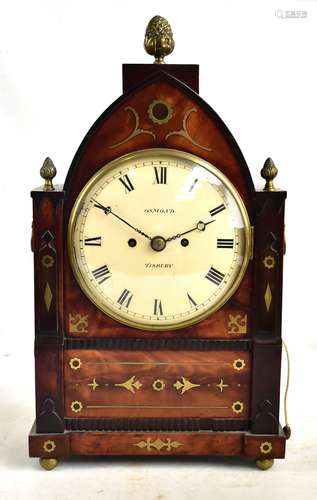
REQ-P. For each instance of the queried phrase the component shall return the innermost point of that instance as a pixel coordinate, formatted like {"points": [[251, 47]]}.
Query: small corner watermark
{"points": [[291, 14]]}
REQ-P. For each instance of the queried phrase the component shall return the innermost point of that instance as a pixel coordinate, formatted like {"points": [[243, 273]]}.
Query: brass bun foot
{"points": [[264, 464], [49, 463]]}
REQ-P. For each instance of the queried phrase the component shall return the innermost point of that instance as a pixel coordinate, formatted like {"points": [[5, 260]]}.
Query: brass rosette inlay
{"points": [[266, 447], [237, 407], [47, 261], [160, 112], [76, 406], [75, 363], [49, 446], [158, 385], [269, 262], [238, 364]]}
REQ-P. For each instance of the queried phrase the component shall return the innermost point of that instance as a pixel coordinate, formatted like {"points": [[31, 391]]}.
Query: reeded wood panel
{"points": [[162, 384]]}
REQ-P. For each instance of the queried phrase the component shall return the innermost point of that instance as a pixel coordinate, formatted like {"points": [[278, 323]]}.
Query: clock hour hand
{"points": [[108, 210], [200, 226]]}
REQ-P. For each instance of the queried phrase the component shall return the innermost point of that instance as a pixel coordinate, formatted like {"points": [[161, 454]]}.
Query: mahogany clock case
{"points": [[100, 385]]}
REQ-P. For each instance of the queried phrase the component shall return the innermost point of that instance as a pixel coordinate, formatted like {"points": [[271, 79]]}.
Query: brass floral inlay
{"points": [[269, 261], [47, 261], [237, 407], [130, 384], [184, 131], [78, 323], [76, 406], [158, 385], [266, 447], [160, 112], [136, 131], [238, 364], [158, 444], [185, 385], [93, 384], [237, 324], [75, 363], [49, 446]]}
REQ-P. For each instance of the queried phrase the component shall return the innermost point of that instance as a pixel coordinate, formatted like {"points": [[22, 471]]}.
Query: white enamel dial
{"points": [[159, 239]]}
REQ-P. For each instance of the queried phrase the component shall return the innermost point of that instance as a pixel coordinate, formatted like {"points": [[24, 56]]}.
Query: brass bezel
{"points": [[135, 156]]}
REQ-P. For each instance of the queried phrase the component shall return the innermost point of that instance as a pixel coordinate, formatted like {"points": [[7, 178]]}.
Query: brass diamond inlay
{"points": [[48, 296], [268, 297], [158, 444]]}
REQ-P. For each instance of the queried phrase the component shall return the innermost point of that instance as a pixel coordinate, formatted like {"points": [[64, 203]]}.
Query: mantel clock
{"points": [[158, 283]]}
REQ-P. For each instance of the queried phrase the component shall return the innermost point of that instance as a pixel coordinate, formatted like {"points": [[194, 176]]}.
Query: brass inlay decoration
{"points": [[268, 297], [49, 446], [75, 363], [150, 407], [185, 385], [221, 385], [182, 363], [266, 447], [158, 385], [184, 131], [93, 384], [76, 406], [47, 261], [78, 323], [269, 262], [238, 364], [136, 131], [160, 112], [237, 407], [158, 444], [237, 324], [158, 39], [130, 384], [48, 296]]}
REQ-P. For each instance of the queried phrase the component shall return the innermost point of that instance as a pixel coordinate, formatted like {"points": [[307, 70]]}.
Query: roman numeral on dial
{"points": [[93, 242], [158, 309], [214, 276], [216, 210], [125, 298], [128, 186], [224, 243], [160, 175], [191, 301], [101, 274]]}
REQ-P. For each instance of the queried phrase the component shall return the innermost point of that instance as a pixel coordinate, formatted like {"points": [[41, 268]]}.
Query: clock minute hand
{"points": [[108, 210], [200, 226]]}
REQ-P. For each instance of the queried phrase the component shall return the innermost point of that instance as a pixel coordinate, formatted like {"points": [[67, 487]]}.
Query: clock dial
{"points": [[159, 239]]}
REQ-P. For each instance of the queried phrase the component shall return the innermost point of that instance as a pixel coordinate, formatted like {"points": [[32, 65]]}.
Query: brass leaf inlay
{"points": [[221, 385], [184, 131], [268, 297], [130, 384], [237, 324], [136, 131], [185, 385], [48, 296], [158, 444]]}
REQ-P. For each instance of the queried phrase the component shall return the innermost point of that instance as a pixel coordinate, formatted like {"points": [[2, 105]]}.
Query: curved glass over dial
{"points": [[159, 239]]}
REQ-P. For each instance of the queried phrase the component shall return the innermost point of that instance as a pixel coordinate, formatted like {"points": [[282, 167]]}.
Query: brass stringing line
{"points": [[165, 407], [287, 382], [152, 363]]}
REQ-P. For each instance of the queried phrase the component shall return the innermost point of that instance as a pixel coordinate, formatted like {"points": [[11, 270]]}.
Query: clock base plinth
{"points": [[263, 449]]}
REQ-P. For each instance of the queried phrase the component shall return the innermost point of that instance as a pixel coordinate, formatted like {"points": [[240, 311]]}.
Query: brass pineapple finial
{"points": [[48, 172], [158, 40], [269, 172]]}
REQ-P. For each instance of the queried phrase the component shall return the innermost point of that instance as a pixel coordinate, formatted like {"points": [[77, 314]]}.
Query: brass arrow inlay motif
{"points": [[158, 444], [130, 384], [93, 384], [185, 385]]}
